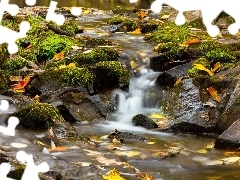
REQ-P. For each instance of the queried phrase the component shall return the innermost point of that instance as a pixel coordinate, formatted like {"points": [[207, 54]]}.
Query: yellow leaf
{"points": [[201, 67], [58, 148], [214, 94], [71, 65], [62, 66], [151, 142], [146, 177], [112, 175], [86, 11], [136, 31], [157, 116], [127, 153], [202, 151], [133, 64], [216, 67], [58, 56]]}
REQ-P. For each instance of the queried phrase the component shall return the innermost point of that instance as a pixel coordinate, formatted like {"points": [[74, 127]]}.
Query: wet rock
{"points": [[230, 109], [183, 105], [164, 61], [144, 121], [165, 80], [125, 137], [83, 107], [230, 138]]}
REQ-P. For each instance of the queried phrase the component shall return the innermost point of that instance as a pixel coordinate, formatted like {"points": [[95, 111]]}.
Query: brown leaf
{"points": [[190, 42], [58, 56], [136, 31], [213, 92], [216, 67]]}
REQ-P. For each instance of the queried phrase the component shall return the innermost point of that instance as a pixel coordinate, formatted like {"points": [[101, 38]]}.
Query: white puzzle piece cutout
{"points": [[10, 129], [30, 2], [4, 170], [76, 11], [31, 171], [52, 16], [4, 105]]}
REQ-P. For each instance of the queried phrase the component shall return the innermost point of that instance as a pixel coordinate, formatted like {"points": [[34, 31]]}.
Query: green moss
{"points": [[17, 173], [197, 23], [77, 76], [193, 71], [95, 56], [129, 23], [70, 27], [15, 64], [220, 56], [170, 32], [111, 73], [38, 116]]}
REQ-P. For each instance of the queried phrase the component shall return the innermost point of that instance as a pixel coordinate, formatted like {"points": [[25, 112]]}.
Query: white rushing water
{"points": [[131, 103]]}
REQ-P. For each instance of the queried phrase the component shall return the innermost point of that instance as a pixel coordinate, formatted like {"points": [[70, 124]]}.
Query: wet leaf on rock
{"points": [[113, 175], [146, 177], [203, 68], [213, 92], [190, 42], [142, 14], [136, 31], [19, 87], [127, 153], [216, 67], [58, 56]]}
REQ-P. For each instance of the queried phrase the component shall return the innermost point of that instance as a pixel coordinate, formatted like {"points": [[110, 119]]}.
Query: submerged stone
{"points": [[144, 121]]}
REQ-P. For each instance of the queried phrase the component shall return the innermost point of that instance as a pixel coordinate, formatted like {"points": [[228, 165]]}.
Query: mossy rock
{"points": [[110, 74], [144, 121], [220, 56], [38, 116], [130, 24], [194, 71], [17, 172], [70, 27], [15, 64], [95, 56]]}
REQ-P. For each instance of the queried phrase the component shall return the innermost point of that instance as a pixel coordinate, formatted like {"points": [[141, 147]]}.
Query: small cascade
{"points": [[131, 103]]}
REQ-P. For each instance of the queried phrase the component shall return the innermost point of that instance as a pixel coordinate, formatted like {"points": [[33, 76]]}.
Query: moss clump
{"points": [[70, 27], [38, 116], [170, 32], [197, 23], [220, 56], [28, 55], [77, 76], [194, 71], [15, 64], [17, 173], [111, 74], [130, 24], [95, 56]]}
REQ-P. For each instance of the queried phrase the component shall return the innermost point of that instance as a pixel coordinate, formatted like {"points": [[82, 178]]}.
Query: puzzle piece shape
{"points": [[9, 36], [4, 105], [4, 170], [52, 16], [10, 129], [210, 10], [12, 9], [31, 171], [30, 2], [76, 11]]}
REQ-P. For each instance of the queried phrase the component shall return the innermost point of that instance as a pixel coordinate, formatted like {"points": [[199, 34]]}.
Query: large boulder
{"points": [[230, 138], [186, 111]]}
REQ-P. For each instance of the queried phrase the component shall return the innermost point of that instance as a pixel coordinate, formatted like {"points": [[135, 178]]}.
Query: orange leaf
{"points": [[214, 94], [19, 87], [191, 41], [142, 14], [30, 45], [58, 56], [136, 31], [178, 81], [216, 67], [58, 148]]}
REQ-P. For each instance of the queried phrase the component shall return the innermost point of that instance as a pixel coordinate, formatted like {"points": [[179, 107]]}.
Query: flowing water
{"points": [[196, 160]]}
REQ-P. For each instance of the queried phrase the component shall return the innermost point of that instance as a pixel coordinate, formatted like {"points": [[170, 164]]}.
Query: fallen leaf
{"points": [[136, 31], [133, 64], [216, 67], [157, 116], [29, 46], [214, 94], [19, 87], [112, 175], [86, 11], [58, 148], [202, 67], [142, 14], [164, 17], [146, 177], [58, 56], [127, 153], [178, 81], [151, 142], [190, 42], [202, 151]]}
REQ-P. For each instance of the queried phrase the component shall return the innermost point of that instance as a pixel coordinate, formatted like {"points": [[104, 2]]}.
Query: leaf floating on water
{"points": [[216, 67], [151, 142], [58, 148], [146, 177], [202, 67], [58, 56], [133, 64], [18, 145], [136, 31], [202, 151], [213, 92], [86, 11], [113, 175]]}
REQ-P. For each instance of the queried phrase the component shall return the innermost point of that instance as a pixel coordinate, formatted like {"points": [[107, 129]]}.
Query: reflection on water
{"points": [[100, 4]]}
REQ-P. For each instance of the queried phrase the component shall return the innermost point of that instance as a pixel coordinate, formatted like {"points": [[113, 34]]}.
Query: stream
{"points": [[186, 156]]}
